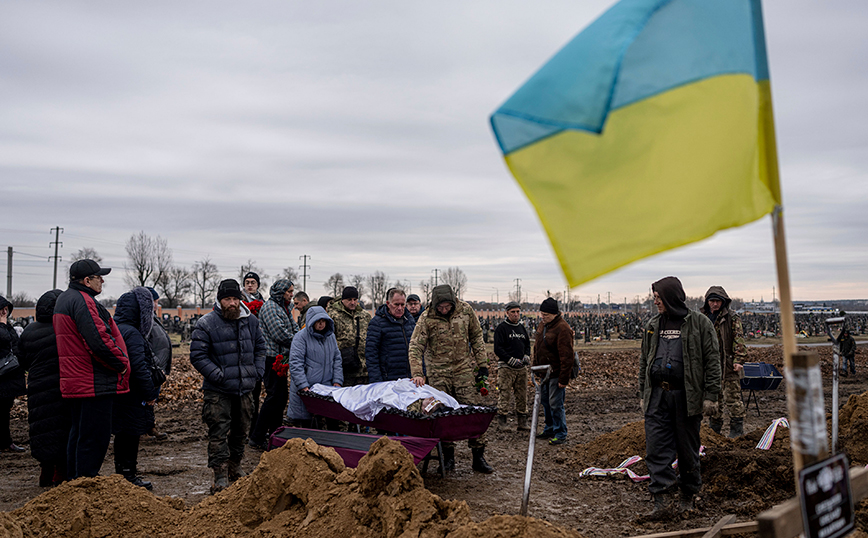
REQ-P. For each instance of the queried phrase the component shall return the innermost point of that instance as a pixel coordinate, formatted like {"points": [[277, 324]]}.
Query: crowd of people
{"points": [[91, 376]]}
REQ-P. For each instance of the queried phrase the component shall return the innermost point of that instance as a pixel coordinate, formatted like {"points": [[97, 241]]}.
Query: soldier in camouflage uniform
{"points": [[350, 317], [447, 347], [733, 354]]}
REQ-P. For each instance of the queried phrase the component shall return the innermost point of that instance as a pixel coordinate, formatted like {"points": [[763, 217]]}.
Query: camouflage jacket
{"points": [[345, 326], [449, 341]]}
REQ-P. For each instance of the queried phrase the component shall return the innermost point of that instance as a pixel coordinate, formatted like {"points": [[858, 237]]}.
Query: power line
{"points": [[304, 267], [57, 244]]}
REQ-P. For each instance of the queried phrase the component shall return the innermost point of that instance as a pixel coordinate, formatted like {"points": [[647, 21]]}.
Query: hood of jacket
{"points": [[5, 302], [277, 290], [45, 305], [314, 314], [440, 294], [721, 293], [136, 308], [672, 294], [383, 311]]}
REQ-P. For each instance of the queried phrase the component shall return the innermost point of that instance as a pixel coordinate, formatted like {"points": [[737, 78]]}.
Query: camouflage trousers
{"points": [[228, 419], [511, 381], [730, 398], [458, 384]]}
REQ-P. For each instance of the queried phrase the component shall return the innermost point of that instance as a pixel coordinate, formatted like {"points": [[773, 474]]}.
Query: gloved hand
{"points": [[709, 408], [481, 374], [525, 361], [514, 363]]}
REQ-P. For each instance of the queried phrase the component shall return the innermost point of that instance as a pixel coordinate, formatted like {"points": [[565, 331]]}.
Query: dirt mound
{"points": [[612, 448], [853, 428], [103, 506], [300, 489]]}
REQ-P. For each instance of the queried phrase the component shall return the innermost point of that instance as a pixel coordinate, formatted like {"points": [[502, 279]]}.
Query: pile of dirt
{"points": [[301, 489], [735, 474], [853, 428]]}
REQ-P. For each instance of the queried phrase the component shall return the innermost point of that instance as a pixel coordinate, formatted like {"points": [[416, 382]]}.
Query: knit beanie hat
{"points": [[350, 292], [549, 306], [229, 288], [254, 276]]}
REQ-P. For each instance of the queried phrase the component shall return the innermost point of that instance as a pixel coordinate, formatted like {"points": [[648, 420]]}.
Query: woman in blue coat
{"points": [[133, 413], [313, 358]]}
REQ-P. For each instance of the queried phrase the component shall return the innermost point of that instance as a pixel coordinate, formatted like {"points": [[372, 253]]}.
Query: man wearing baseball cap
{"points": [[94, 366]]}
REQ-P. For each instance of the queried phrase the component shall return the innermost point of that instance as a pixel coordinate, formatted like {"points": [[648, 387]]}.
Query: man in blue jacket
{"points": [[387, 345], [228, 349]]}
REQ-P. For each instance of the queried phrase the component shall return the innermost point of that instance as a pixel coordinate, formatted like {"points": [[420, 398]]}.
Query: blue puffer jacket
{"points": [[388, 344], [313, 358], [134, 315], [229, 353]]}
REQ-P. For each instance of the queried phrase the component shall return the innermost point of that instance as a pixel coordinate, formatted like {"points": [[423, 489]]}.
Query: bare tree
{"points": [[86, 253], [205, 279], [139, 249], [358, 282], [378, 284], [456, 278], [290, 274], [425, 287], [174, 285], [335, 284], [163, 261], [404, 285], [22, 300]]}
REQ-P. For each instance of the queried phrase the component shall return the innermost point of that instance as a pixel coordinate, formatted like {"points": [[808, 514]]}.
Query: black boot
{"points": [[715, 424], [736, 427], [662, 507], [235, 471], [501, 422], [685, 503], [523, 425], [131, 475], [221, 478], [479, 463], [46, 476], [448, 459]]}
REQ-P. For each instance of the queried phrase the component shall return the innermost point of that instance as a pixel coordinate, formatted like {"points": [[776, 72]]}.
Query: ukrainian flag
{"points": [[650, 130]]}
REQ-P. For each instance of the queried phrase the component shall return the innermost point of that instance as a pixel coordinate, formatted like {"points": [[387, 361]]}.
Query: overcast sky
{"points": [[357, 133]]}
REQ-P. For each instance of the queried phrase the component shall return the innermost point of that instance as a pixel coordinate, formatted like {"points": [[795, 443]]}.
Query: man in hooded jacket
{"points": [[228, 349], [450, 333], [733, 355], [278, 329], [679, 380]]}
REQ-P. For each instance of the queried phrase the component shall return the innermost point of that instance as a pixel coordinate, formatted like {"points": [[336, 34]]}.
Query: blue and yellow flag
{"points": [[651, 129]]}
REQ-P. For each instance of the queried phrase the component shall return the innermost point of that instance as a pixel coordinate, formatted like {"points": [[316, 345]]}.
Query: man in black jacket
{"points": [[512, 347], [228, 349]]}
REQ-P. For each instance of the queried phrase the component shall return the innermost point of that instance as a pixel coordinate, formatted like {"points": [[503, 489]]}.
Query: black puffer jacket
{"points": [[387, 345], [12, 383], [134, 317], [229, 353], [48, 415]]}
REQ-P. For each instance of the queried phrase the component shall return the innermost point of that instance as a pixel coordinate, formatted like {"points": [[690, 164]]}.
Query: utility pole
{"points": [[304, 267], [9, 273], [518, 289], [57, 230], [436, 273]]}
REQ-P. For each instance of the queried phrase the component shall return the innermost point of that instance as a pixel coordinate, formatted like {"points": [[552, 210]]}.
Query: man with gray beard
{"points": [[228, 349]]}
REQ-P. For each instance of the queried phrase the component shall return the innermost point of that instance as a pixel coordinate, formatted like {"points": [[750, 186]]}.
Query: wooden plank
{"points": [[785, 519], [734, 528], [715, 531]]}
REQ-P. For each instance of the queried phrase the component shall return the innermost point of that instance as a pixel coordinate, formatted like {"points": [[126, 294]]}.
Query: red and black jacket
{"points": [[93, 355]]}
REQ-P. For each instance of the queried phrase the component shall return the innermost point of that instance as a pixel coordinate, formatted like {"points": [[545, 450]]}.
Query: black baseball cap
{"points": [[84, 268]]}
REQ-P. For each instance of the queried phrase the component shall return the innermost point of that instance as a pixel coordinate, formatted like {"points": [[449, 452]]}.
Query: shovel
{"points": [[834, 327], [533, 422]]}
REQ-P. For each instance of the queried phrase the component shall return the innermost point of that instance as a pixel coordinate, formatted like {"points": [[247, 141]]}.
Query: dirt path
{"points": [[603, 400]]}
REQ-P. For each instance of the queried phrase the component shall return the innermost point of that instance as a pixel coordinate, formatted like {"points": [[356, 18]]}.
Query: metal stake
{"points": [[533, 423]]}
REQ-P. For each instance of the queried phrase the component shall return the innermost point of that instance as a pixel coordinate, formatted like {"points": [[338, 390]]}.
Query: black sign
{"points": [[827, 502]]}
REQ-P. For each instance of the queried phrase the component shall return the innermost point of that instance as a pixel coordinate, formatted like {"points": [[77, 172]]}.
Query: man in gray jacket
{"points": [[679, 380], [228, 349]]}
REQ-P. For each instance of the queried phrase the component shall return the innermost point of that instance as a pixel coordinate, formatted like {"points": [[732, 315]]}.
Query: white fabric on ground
{"points": [[365, 401]]}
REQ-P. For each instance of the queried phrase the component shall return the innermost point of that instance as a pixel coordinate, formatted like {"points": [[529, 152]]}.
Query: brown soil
{"points": [[304, 489]]}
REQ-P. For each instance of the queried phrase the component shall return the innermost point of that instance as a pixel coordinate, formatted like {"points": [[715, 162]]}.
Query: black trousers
{"points": [[669, 434], [89, 435], [126, 453], [274, 407], [5, 412]]}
